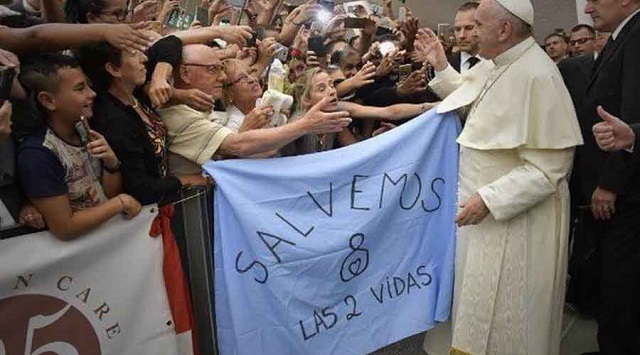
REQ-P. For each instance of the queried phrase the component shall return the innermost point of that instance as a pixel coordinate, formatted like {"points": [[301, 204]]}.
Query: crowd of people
{"points": [[109, 105]]}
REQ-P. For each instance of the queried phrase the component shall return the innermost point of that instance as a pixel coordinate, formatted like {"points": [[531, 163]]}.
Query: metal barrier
{"points": [[196, 221]]}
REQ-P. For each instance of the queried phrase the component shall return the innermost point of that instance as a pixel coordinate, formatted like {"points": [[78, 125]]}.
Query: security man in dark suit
{"points": [[610, 180], [585, 263], [576, 71], [466, 38]]}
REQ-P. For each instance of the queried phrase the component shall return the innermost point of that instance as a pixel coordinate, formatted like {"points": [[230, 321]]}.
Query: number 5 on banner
{"points": [[39, 322]]}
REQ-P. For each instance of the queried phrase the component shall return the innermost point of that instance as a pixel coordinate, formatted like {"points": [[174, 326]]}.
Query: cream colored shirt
{"points": [[193, 138]]}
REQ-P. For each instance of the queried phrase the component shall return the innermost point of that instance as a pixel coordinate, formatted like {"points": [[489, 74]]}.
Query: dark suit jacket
{"points": [[454, 60], [576, 73], [636, 146], [615, 85]]}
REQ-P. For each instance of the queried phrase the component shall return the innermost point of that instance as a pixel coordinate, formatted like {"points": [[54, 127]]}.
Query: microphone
{"points": [[82, 128]]}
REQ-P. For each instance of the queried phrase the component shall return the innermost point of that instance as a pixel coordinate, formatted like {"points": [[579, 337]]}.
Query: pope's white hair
{"points": [[521, 28]]}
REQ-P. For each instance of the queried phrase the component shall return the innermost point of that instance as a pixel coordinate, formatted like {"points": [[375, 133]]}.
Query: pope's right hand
{"points": [[432, 50]]}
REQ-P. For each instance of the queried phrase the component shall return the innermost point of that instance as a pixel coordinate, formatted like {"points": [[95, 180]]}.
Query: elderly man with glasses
{"points": [[195, 138]]}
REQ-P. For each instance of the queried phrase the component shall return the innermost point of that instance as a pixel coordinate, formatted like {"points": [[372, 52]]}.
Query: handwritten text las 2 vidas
{"points": [[417, 195]]}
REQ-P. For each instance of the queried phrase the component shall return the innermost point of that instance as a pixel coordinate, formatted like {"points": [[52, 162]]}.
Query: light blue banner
{"points": [[341, 252]]}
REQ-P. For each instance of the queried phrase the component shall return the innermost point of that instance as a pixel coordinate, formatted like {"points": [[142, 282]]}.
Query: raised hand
{"points": [[145, 11], [365, 75], [126, 38], [197, 100], [322, 122], [415, 83], [235, 34], [160, 91], [99, 149], [256, 119], [432, 50], [613, 134]]}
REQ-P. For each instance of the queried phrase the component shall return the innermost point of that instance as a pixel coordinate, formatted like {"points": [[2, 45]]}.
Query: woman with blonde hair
{"points": [[315, 85]]}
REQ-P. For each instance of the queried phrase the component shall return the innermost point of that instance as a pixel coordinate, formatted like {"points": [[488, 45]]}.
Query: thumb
{"points": [[607, 117]]}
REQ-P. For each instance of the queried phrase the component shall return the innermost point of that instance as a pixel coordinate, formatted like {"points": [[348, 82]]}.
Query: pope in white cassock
{"points": [[516, 154]]}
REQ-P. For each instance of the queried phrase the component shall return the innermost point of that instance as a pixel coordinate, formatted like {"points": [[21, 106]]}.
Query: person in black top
{"points": [[123, 114]]}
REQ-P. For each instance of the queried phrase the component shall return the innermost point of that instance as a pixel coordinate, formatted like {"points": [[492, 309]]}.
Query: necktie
{"points": [[472, 62], [605, 51]]}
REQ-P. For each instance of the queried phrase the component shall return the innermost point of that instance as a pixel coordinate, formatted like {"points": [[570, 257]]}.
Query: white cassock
{"points": [[516, 151]]}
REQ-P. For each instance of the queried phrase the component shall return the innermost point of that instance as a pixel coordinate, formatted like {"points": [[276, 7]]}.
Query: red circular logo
{"points": [[41, 324]]}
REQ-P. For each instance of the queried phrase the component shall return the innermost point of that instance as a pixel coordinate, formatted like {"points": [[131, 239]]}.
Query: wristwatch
{"points": [[113, 170]]}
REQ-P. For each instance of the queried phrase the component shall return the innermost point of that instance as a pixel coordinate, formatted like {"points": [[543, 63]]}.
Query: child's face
{"points": [[74, 97]]}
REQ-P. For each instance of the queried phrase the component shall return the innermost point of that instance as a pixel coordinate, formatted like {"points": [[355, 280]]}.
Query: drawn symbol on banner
{"points": [[357, 261]]}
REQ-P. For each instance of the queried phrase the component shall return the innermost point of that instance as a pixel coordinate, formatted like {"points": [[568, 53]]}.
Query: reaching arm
{"points": [[265, 140], [230, 34], [59, 36], [391, 113]]}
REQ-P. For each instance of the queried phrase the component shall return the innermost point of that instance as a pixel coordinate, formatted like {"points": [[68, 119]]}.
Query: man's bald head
{"points": [[498, 29], [201, 69], [197, 52]]}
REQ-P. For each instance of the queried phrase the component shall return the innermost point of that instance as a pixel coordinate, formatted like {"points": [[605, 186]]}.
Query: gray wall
{"points": [[550, 14]]}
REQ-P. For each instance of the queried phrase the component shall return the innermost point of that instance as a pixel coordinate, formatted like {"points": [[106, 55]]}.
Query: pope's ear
{"points": [[506, 30]]}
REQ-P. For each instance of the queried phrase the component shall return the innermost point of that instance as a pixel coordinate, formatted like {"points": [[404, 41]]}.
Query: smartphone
{"points": [[202, 16], [383, 31], [443, 30], [387, 47], [327, 4], [316, 28], [282, 53], [82, 128], [6, 82], [174, 19], [251, 42], [316, 44], [402, 14], [355, 22], [235, 3], [404, 71], [242, 7], [187, 21]]}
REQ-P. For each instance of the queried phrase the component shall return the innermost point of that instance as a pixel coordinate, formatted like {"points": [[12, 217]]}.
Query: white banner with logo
{"points": [[103, 293]]}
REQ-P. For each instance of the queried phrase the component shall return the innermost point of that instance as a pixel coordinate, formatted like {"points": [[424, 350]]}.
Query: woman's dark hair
{"points": [[76, 10], [93, 59]]}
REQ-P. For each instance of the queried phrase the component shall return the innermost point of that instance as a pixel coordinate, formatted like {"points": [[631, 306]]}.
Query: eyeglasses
{"points": [[242, 79], [120, 14], [213, 69], [581, 40]]}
